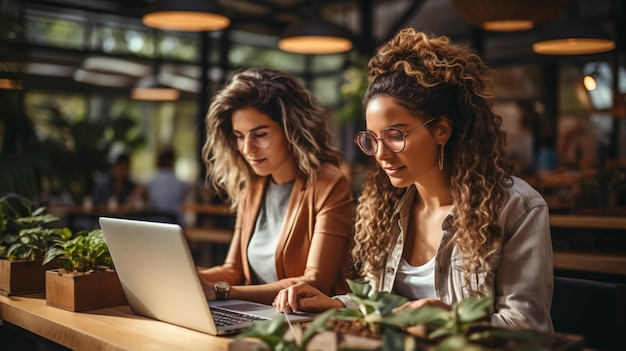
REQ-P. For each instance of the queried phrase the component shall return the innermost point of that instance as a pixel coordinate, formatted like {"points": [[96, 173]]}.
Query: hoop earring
{"points": [[441, 156]]}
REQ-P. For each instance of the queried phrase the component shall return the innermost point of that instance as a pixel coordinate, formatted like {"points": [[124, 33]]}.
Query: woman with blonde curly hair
{"points": [[440, 217], [269, 148]]}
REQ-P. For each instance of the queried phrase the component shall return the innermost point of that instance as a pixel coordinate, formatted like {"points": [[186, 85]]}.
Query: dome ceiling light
{"points": [[185, 15], [316, 36], [573, 36], [509, 15]]}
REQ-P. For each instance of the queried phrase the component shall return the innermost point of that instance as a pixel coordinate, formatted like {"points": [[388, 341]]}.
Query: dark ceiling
{"points": [[273, 17], [371, 21]]}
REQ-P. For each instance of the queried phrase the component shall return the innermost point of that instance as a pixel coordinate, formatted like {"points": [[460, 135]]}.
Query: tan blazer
{"points": [[314, 239]]}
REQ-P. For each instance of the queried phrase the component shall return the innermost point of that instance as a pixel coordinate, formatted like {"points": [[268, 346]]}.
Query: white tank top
{"points": [[416, 283]]}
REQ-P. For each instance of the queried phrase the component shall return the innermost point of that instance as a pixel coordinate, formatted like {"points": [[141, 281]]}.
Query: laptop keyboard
{"points": [[225, 318]]}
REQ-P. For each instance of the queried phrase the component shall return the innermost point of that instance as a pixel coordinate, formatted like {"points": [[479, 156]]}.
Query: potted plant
{"points": [[25, 236], [86, 277], [374, 326]]}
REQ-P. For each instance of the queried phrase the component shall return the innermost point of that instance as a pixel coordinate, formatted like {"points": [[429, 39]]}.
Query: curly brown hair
{"points": [[304, 122], [432, 77]]}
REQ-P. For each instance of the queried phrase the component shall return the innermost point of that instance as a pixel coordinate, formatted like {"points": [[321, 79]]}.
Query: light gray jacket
{"points": [[520, 278]]}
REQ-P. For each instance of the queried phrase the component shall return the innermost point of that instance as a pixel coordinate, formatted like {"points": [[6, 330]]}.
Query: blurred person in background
{"points": [[115, 188], [164, 192]]}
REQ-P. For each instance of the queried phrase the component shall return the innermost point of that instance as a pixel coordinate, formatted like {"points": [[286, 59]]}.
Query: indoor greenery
{"points": [[464, 327], [85, 253], [26, 231], [41, 151], [271, 332]]}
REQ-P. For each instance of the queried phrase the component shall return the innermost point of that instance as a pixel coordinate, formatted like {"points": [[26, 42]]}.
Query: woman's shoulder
{"points": [[329, 172], [523, 202], [520, 186], [523, 194], [330, 180]]}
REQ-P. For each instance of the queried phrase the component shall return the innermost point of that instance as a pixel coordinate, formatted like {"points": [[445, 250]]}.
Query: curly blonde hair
{"points": [[432, 77], [277, 94]]}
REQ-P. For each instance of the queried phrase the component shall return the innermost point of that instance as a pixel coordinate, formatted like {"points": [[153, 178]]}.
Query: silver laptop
{"points": [[160, 280]]}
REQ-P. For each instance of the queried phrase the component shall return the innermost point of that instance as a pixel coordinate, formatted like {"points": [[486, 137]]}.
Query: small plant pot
{"points": [[19, 277], [74, 292]]}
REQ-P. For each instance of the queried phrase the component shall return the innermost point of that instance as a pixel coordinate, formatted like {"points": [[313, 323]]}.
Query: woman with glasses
{"points": [[440, 217], [269, 148]]}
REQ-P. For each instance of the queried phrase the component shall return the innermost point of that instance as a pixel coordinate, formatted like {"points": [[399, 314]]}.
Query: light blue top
{"points": [[166, 193]]}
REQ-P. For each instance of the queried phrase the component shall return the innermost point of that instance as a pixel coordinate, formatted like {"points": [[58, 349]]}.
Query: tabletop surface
{"points": [[116, 328]]}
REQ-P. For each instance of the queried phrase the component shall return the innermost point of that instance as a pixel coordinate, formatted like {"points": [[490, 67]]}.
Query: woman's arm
{"points": [[524, 281], [232, 269]]}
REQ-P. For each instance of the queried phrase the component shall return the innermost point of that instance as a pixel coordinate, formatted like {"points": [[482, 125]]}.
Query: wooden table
{"points": [[212, 209], [588, 221], [108, 329], [595, 226]]}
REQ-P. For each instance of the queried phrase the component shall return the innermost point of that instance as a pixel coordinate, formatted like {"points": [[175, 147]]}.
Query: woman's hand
{"points": [[413, 305], [207, 287], [303, 297]]}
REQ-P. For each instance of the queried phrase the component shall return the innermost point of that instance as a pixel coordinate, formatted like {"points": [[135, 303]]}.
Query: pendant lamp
{"points": [[149, 89], [508, 15], [10, 84], [573, 36], [316, 36], [185, 15]]}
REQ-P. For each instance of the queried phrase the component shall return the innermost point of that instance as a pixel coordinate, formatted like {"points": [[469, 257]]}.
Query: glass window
{"points": [[326, 63], [71, 106], [598, 82], [179, 46], [243, 55], [326, 89], [54, 31]]}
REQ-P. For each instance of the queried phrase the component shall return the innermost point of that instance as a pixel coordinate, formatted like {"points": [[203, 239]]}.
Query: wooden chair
{"points": [[593, 309]]}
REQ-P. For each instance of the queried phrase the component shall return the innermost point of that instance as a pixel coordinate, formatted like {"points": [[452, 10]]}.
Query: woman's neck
{"points": [[433, 194]]}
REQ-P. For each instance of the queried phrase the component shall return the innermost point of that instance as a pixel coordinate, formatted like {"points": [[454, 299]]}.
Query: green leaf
{"points": [[319, 323], [270, 332], [453, 343], [347, 314], [38, 211], [360, 288], [387, 302], [473, 309], [426, 315], [442, 331], [52, 253], [393, 339]]}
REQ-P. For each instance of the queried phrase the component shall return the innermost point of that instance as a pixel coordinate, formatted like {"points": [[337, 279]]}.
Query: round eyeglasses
{"points": [[260, 138], [393, 138]]}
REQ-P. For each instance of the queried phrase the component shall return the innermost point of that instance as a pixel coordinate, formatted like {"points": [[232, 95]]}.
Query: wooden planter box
{"points": [[332, 341], [23, 277], [84, 292], [325, 340]]}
